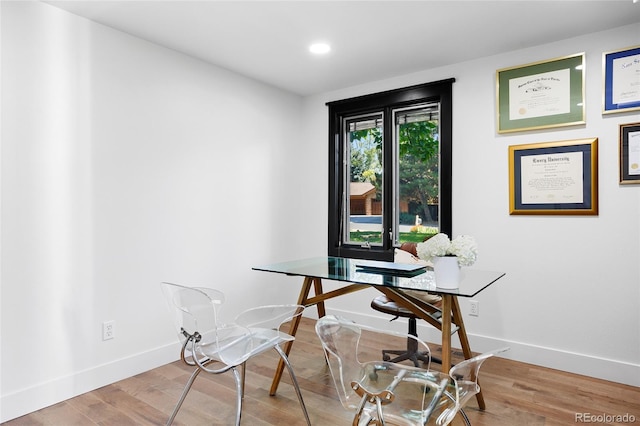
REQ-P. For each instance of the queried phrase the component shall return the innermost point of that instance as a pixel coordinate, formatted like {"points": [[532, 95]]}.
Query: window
{"points": [[390, 170]]}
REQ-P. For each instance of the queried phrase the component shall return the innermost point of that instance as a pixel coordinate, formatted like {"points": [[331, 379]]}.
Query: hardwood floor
{"points": [[515, 393]]}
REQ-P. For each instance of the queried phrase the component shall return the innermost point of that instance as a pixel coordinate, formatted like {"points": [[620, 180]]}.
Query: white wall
{"points": [[571, 296], [125, 164]]}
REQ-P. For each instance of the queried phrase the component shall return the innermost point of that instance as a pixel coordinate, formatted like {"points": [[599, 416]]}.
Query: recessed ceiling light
{"points": [[319, 48]]}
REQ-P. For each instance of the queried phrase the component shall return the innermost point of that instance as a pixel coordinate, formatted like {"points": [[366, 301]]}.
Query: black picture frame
{"points": [[630, 153]]}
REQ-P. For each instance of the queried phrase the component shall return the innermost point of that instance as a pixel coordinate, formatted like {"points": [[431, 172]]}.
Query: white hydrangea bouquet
{"points": [[463, 246]]}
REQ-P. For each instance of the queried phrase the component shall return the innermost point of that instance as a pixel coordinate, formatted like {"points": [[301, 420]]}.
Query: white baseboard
{"points": [[576, 363], [42, 395]]}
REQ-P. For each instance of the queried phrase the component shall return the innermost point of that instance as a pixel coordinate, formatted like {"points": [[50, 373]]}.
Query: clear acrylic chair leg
{"points": [[239, 378], [295, 382], [184, 395], [464, 417], [244, 375], [239, 390]]}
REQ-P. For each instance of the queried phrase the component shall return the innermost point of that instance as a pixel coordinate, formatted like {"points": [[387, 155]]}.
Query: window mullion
{"points": [[389, 174]]}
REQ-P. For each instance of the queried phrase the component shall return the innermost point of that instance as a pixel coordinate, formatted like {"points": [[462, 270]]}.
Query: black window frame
{"points": [[439, 91]]}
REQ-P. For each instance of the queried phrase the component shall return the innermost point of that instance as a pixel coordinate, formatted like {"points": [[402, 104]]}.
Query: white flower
{"points": [[463, 246], [438, 245]]}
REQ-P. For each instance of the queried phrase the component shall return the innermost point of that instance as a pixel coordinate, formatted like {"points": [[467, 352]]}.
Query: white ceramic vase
{"points": [[447, 272]]}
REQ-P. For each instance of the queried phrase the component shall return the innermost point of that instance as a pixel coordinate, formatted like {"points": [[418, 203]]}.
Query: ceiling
{"points": [[370, 40]]}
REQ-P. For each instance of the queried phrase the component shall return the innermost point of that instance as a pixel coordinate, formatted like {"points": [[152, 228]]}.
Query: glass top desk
{"points": [[392, 284]]}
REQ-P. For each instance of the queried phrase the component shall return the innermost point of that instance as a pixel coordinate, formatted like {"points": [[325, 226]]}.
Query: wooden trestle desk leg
{"points": [[293, 328], [317, 287], [446, 332], [464, 342], [451, 308]]}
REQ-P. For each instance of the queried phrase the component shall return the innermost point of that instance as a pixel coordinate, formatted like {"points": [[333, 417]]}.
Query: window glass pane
{"points": [[363, 195], [417, 153]]}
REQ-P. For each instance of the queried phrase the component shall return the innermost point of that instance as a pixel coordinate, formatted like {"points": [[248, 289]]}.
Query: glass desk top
{"points": [[472, 282]]}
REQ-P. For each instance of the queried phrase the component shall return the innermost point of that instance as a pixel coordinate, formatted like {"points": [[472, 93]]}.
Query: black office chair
{"points": [[387, 306], [408, 254]]}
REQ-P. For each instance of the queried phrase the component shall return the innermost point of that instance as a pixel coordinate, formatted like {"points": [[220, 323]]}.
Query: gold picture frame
{"points": [[554, 178], [541, 95]]}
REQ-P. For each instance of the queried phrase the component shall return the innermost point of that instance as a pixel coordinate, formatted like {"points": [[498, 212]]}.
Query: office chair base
{"points": [[414, 357]]}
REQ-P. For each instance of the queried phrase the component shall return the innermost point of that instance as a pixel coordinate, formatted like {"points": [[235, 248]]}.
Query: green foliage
{"points": [[418, 139], [419, 173], [418, 162], [366, 157], [405, 237], [363, 236], [407, 218], [421, 229], [414, 237]]}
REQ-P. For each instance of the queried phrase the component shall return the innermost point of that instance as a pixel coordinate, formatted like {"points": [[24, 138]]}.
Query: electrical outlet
{"points": [[474, 308], [108, 330]]}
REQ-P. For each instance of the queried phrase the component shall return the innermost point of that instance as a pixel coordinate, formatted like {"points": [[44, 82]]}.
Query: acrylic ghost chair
{"points": [[382, 392], [465, 375], [215, 347]]}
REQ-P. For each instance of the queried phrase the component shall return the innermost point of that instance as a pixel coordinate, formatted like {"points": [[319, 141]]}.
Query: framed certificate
{"points": [[621, 74], [554, 178], [630, 153], [541, 95]]}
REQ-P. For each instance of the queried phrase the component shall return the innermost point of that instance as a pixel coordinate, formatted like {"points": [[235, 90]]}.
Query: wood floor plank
{"points": [[516, 394]]}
